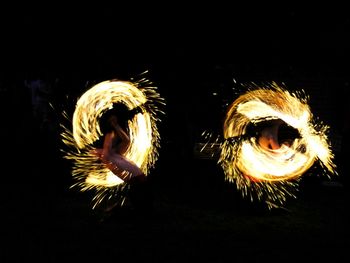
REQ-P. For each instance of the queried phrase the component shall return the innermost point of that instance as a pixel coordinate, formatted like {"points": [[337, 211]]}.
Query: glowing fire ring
{"points": [[143, 133], [271, 175]]}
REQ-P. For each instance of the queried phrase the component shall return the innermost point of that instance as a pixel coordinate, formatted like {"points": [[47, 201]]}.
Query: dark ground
{"points": [[196, 217]]}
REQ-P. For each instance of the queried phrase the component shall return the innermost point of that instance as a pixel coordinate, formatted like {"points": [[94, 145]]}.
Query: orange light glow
{"points": [[85, 130], [271, 174]]}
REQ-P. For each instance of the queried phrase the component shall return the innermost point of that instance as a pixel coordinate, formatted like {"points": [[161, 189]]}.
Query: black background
{"points": [[189, 52]]}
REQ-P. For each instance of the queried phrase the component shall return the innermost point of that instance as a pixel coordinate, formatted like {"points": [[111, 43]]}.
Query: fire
{"points": [[272, 174], [85, 130]]}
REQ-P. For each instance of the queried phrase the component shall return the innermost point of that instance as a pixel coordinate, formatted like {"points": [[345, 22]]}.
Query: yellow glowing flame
{"points": [[143, 132], [271, 174]]}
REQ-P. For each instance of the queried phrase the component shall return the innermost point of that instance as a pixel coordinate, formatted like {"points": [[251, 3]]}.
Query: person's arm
{"points": [[104, 152], [125, 140], [107, 146]]}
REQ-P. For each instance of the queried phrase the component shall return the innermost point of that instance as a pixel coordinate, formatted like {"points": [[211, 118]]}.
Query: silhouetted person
{"points": [[116, 142], [272, 134]]}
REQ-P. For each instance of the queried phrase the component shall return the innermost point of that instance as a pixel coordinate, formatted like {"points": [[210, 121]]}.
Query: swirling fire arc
{"points": [[271, 175], [84, 131]]}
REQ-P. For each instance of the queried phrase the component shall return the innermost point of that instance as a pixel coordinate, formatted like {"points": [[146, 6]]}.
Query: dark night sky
{"points": [[95, 40], [194, 50], [188, 50]]}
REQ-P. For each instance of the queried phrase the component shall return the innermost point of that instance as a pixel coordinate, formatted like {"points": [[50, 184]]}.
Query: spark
{"points": [[272, 175], [83, 131]]}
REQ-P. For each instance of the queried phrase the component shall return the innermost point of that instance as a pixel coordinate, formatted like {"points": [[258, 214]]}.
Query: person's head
{"points": [[118, 114], [280, 131]]}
